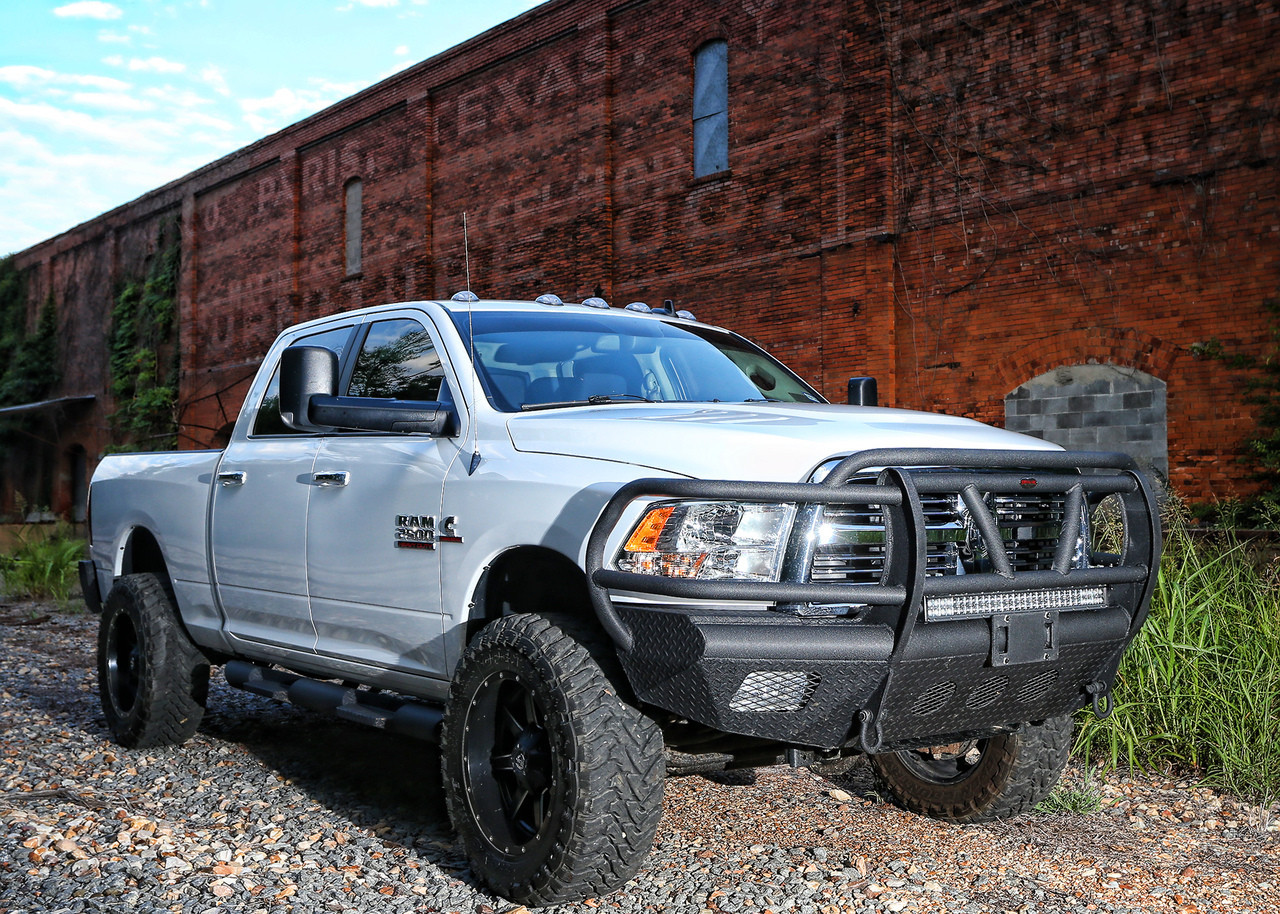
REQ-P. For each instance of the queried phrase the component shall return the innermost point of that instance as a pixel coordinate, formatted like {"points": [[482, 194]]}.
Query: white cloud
{"points": [[285, 105], [215, 79], [402, 50], [156, 65], [130, 134], [111, 101], [368, 3], [28, 77], [114, 38], [178, 98], [89, 9]]}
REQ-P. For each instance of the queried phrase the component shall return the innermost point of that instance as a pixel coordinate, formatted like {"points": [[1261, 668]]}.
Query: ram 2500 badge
{"points": [[582, 547]]}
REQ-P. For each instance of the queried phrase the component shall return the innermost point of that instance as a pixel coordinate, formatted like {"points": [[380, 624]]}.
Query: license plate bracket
{"points": [[1024, 638]]}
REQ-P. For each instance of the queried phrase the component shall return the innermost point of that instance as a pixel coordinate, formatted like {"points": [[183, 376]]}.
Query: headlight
{"points": [[709, 539]]}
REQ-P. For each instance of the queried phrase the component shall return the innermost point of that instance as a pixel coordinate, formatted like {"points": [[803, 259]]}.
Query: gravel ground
{"points": [[269, 809]]}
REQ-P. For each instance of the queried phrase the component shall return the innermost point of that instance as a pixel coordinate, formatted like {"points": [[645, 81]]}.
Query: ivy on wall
{"points": [[1264, 446], [30, 360], [143, 354]]}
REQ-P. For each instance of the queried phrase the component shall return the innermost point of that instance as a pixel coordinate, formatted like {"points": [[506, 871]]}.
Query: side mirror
{"points": [[305, 372], [309, 401], [862, 392]]}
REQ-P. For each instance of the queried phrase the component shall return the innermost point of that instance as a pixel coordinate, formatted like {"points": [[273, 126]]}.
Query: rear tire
{"points": [[153, 681], [982, 780], [553, 782]]}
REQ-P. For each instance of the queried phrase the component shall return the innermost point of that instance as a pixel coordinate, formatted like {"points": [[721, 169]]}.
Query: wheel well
{"points": [[530, 579], [142, 554]]}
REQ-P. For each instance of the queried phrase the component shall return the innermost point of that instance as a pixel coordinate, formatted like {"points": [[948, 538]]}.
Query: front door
{"points": [[374, 532]]}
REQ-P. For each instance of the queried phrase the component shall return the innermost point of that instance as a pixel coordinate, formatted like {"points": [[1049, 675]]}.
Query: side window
{"points": [[268, 421], [397, 361], [711, 109]]}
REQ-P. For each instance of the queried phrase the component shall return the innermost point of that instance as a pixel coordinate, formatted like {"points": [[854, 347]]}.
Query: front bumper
{"points": [[887, 677]]}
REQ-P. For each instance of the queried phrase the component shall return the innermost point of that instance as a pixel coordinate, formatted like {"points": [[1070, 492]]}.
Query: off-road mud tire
{"points": [[532, 715], [1015, 772], [153, 681]]}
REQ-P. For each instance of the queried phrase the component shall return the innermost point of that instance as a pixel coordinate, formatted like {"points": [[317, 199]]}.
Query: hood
{"points": [[770, 442]]}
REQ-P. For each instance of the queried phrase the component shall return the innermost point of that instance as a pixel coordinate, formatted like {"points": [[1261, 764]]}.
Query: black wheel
{"points": [[553, 782], [152, 680], [980, 780]]}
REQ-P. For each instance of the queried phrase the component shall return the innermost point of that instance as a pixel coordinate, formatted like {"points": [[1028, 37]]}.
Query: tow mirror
{"points": [[862, 392], [305, 372], [308, 401]]}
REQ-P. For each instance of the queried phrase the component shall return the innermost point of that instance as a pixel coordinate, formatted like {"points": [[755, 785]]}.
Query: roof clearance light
{"points": [[686, 315], [971, 605], [638, 306], [465, 295], [595, 302], [548, 298]]}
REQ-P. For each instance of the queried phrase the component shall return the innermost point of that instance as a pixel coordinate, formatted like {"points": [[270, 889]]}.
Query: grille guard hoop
{"points": [[1077, 475]]}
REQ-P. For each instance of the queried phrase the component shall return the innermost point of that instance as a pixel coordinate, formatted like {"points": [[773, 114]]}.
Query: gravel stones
{"points": [[270, 809]]}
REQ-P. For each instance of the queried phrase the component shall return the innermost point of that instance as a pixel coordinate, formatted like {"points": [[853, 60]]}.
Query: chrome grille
{"points": [[849, 540]]}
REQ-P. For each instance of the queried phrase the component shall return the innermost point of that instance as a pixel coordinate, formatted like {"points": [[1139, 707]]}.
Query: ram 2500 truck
{"points": [[582, 547]]}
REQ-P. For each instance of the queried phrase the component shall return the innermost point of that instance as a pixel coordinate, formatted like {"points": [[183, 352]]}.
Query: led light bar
{"points": [[970, 605]]}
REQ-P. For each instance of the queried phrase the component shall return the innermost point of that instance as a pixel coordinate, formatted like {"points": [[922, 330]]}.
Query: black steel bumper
{"points": [[889, 677]]}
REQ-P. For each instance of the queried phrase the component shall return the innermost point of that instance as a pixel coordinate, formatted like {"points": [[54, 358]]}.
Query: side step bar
{"points": [[373, 709]]}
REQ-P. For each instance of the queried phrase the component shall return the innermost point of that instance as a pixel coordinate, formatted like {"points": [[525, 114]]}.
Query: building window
{"points": [[711, 109], [352, 221]]}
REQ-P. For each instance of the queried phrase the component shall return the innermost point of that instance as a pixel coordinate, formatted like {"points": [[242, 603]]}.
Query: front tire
{"points": [[981, 780], [153, 681], [553, 782]]}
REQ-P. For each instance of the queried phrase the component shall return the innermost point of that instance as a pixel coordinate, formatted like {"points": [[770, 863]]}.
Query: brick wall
{"points": [[954, 199]]}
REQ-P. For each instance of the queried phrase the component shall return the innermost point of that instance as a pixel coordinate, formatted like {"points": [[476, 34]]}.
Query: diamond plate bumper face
{"points": [[857, 661]]}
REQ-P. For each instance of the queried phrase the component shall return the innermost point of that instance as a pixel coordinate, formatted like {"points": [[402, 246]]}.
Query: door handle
{"points": [[231, 478], [335, 478]]}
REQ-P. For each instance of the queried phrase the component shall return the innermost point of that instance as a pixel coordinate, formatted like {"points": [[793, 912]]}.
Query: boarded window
{"points": [[1096, 408], [353, 212], [711, 109]]}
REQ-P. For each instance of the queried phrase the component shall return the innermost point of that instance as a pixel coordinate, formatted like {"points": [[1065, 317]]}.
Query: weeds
{"points": [[1082, 798], [1200, 685], [42, 569]]}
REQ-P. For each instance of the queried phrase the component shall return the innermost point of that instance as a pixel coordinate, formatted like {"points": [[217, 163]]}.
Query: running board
{"points": [[380, 710]]}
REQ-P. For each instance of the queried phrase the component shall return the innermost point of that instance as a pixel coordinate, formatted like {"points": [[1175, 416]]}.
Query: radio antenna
{"points": [[466, 250], [471, 345]]}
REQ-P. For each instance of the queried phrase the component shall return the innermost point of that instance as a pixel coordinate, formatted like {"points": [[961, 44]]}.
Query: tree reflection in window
{"points": [[398, 361]]}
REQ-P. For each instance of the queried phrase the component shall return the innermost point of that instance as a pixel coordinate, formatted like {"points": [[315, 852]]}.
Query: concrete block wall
{"points": [[1096, 408]]}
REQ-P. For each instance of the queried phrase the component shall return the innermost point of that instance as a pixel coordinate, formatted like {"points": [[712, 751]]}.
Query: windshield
{"points": [[531, 361]]}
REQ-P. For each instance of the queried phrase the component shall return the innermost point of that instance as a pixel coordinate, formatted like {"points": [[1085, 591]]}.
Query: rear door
{"points": [[258, 529]]}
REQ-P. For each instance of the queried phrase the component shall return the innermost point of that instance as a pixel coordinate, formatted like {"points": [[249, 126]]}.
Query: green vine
{"points": [[30, 359], [1264, 391], [143, 354]]}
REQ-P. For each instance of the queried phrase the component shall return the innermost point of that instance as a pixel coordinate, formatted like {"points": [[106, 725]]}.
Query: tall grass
{"points": [[42, 569], [1200, 685]]}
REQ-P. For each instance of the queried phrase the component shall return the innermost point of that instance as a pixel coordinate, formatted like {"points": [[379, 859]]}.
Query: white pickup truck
{"points": [[581, 547]]}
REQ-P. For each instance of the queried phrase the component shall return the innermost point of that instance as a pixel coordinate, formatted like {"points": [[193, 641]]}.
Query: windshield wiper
{"points": [[597, 400]]}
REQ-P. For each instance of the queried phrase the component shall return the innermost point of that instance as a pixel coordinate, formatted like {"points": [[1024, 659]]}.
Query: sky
{"points": [[101, 101]]}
